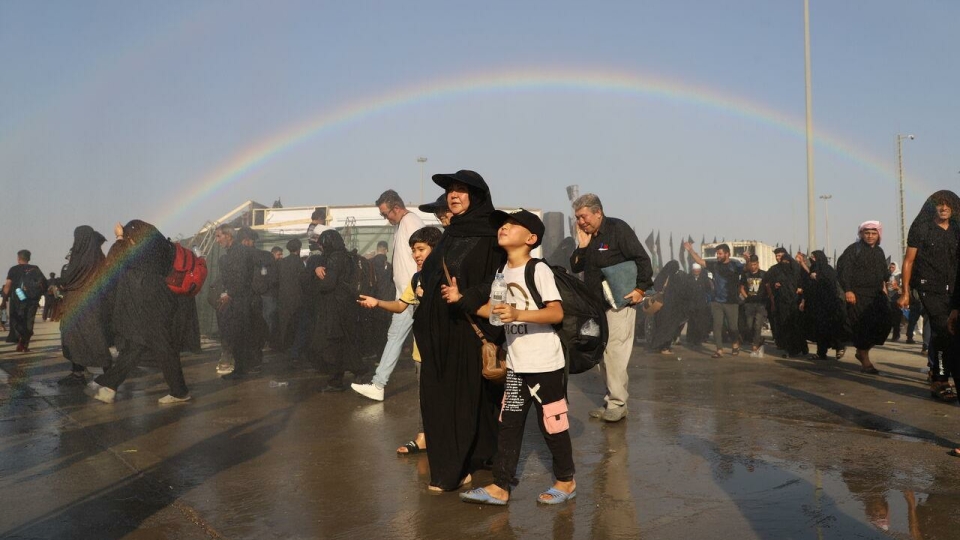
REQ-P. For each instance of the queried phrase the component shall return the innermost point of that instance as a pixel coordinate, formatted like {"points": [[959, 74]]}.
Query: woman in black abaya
{"points": [[459, 406], [336, 321], [824, 308], [863, 273], [680, 297], [85, 323], [786, 301], [143, 310]]}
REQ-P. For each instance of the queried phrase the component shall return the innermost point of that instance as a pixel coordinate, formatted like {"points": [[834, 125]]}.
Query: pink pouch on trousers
{"points": [[555, 417]]}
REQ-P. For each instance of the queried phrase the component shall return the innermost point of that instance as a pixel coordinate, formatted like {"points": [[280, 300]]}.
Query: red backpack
{"points": [[188, 274]]}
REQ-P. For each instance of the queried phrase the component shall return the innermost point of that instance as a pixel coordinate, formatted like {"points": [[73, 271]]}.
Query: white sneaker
{"points": [[371, 391], [92, 388], [170, 399], [105, 395]]}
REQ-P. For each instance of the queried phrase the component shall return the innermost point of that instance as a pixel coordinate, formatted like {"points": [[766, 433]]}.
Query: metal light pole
{"points": [[903, 223], [826, 219], [421, 160], [811, 202]]}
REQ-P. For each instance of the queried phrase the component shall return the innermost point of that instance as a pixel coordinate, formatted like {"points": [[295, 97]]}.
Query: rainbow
{"points": [[519, 80]]}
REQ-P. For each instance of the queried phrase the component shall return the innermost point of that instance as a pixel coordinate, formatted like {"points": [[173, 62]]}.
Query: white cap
{"points": [[696, 266]]}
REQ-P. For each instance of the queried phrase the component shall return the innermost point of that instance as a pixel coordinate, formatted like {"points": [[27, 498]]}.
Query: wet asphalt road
{"points": [[738, 448]]}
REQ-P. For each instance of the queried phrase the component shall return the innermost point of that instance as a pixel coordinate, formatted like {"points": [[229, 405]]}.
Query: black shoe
{"points": [[910, 341], [233, 376], [333, 388], [72, 379]]}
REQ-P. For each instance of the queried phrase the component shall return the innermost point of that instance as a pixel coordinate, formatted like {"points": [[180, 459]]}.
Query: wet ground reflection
{"points": [[745, 448]]}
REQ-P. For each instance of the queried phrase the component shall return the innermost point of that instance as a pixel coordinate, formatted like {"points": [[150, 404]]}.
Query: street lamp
{"points": [[903, 223], [826, 219], [421, 160]]}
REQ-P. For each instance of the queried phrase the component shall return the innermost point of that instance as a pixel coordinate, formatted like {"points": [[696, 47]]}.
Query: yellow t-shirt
{"points": [[409, 297]]}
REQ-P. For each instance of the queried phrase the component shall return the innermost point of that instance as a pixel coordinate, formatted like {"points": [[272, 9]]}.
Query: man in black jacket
{"points": [[235, 305], [24, 287], [606, 241]]}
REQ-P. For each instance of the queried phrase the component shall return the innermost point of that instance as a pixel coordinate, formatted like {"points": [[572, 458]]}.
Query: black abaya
{"points": [[289, 299], [85, 324], [825, 313], [680, 296], [459, 407], [786, 304]]}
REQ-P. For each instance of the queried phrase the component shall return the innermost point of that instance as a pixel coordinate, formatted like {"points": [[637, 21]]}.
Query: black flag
{"points": [[671, 247], [659, 253]]}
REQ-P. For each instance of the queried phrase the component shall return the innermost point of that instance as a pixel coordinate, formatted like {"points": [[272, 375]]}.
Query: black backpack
{"points": [[583, 331], [31, 283]]}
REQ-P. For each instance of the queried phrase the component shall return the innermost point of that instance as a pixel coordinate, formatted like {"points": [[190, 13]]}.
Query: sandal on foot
{"points": [[412, 448], [840, 353], [943, 392], [871, 370], [717, 354], [556, 496], [666, 351], [735, 351], [481, 496], [955, 452]]}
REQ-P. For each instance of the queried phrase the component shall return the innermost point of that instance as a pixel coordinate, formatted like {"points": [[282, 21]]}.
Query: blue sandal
{"points": [[556, 496], [480, 496]]}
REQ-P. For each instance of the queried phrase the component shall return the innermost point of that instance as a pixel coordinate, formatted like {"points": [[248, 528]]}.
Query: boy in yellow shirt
{"points": [[422, 243]]}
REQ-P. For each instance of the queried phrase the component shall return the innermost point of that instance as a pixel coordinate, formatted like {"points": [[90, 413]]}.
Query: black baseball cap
{"points": [[437, 206], [528, 219]]}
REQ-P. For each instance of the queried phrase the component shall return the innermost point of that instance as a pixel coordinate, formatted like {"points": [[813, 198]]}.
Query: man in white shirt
{"points": [[394, 211]]}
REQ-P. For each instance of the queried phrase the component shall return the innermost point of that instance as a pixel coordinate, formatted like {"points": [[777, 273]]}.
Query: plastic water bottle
{"points": [[498, 295]]}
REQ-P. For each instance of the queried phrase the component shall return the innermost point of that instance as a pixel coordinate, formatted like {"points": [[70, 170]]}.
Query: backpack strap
{"points": [[528, 276]]}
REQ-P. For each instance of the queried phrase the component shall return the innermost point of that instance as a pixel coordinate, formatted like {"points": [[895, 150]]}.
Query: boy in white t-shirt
{"points": [[535, 365], [422, 242]]}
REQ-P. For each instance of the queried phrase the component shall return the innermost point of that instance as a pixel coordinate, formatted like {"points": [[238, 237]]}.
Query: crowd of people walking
{"points": [[335, 310]]}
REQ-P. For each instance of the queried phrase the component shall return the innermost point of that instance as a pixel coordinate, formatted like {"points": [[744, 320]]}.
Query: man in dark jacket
{"points": [[604, 242], [24, 287], [236, 301]]}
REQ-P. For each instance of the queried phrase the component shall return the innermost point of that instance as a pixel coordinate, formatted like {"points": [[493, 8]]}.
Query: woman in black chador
{"points": [[680, 296], [143, 310], [824, 310], [85, 324], [785, 289], [459, 406], [336, 318], [863, 273]]}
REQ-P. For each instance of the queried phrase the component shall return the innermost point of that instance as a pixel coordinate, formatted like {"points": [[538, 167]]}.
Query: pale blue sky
{"points": [[112, 110]]}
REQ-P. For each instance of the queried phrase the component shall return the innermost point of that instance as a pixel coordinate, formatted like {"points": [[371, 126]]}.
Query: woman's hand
{"points": [[321, 272], [118, 230], [451, 293], [850, 297], [368, 302]]}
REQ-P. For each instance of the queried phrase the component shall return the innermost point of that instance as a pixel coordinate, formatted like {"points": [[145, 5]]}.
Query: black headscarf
{"points": [[86, 259], [476, 220], [330, 241], [473, 223], [668, 270], [148, 249]]}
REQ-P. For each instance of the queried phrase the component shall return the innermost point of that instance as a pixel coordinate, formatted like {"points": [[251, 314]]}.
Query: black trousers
{"points": [[239, 337], [755, 315], [22, 316], [131, 354], [942, 352], [546, 392]]}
